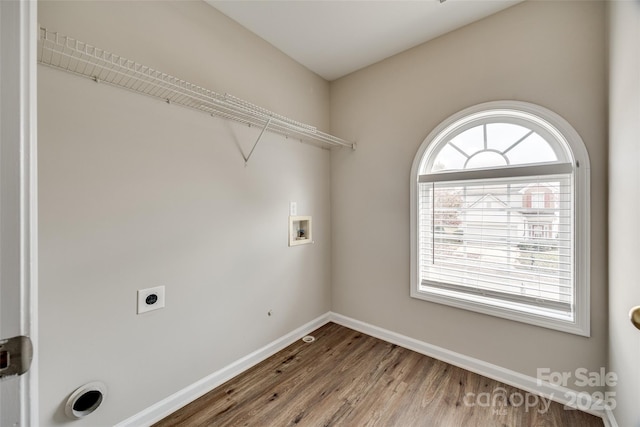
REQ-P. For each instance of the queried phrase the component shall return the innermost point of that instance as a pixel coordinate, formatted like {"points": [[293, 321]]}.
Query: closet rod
{"points": [[65, 53]]}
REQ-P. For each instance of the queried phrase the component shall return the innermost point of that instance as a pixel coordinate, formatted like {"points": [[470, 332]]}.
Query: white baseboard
{"points": [[188, 394], [609, 419], [516, 379]]}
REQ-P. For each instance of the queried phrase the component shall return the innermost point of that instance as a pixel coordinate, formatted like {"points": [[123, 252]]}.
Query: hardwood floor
{"points": [[346, 378]]}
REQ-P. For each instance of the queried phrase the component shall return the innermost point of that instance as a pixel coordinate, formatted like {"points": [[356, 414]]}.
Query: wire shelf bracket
{"points": [[65, 53], [264, 129]]}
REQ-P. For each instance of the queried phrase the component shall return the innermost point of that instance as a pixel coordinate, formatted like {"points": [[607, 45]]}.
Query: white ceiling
{"points": [[336, 37]]}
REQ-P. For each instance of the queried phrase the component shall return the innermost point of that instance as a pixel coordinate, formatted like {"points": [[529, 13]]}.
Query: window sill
{"points": [[505, 310]]}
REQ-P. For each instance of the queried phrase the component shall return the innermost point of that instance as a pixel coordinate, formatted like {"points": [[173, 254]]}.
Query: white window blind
{"points": [[506, 238]]}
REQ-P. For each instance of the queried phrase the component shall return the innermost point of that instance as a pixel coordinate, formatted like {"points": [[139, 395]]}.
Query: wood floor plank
{"points": [[345, 378]]}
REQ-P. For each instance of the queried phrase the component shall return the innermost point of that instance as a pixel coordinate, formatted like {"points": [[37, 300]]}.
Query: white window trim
{"points": [[582, 253]]}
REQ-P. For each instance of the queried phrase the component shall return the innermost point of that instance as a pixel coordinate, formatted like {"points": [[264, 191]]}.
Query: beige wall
{"points": [[548, 53], [135, 193], [624, 198]]}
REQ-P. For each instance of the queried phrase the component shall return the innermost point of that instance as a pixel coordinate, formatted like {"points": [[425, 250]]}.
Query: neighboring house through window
{"points": [[499, 216]]}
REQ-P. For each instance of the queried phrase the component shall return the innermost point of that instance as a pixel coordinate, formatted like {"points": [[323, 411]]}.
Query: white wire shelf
{"points": [[65, 53]]}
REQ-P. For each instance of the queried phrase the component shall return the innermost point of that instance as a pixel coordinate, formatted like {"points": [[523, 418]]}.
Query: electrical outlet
{"points": [[293, 208], [150, 299]]}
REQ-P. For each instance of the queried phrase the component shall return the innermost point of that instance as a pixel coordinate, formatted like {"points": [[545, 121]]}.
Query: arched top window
{"points": [[500, 216], [495, 138]]}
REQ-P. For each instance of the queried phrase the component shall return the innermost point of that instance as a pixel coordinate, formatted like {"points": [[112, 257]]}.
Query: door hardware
{"points": [[15, 356]]}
